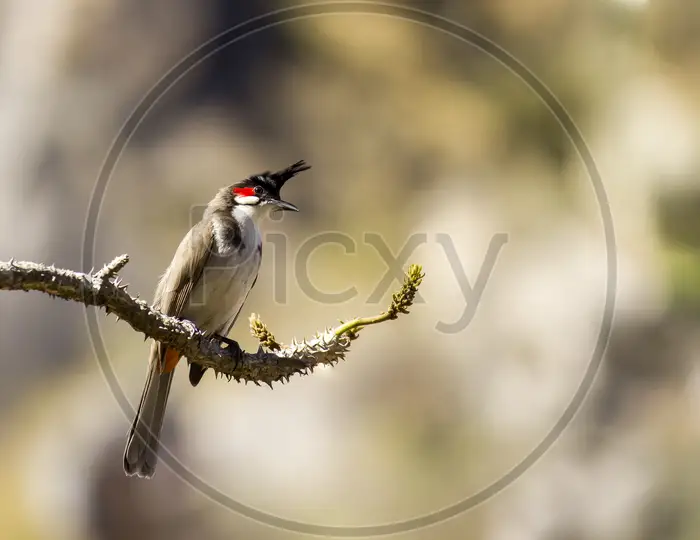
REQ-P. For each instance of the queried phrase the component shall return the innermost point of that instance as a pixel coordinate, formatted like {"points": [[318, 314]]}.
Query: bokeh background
{"points": [[409, 131]]}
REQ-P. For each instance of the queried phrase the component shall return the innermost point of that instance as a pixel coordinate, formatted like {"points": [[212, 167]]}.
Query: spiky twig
{"points": [[400, 302], [113, 268], [103, 289]]}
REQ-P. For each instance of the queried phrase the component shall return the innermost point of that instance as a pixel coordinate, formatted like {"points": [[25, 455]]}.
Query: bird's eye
{"points": [[258, 190]]}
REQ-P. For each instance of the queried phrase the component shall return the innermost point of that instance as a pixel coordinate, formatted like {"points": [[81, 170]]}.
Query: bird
{"points": [[207, 282]]}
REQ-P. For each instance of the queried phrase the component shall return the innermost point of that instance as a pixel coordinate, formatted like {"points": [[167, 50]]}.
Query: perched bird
{"points": [[213, 270]]}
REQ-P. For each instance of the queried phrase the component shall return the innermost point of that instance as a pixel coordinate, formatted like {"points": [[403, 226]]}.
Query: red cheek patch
{"points": [[244, 191]]}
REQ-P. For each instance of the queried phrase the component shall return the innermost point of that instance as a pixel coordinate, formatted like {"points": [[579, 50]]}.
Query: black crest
{"points": [[272, 182], [280, 177]]}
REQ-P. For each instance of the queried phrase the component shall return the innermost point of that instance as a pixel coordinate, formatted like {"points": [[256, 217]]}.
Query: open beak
{"points": [[284, 205]]}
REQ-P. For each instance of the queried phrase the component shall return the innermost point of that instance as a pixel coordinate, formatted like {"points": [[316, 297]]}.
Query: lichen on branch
{"points": [[272, 362]]}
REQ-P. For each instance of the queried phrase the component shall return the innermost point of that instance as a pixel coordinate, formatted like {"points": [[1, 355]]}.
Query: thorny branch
{"points": [[272, 362]]}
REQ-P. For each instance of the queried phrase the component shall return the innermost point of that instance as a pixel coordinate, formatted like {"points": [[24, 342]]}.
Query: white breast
{"points": [[219, 295]]}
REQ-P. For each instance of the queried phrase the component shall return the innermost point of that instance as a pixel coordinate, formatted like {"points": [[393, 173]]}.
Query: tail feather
{"points": [[141, 452]]}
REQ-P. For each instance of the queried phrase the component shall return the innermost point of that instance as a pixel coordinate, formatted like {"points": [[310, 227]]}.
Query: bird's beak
{"points": [[284, 205]]}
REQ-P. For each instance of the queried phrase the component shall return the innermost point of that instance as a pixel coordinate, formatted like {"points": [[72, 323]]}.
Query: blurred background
{"points": [[410, 132]]}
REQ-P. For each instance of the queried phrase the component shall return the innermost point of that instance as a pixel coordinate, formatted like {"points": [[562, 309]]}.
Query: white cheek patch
{"points": [[247, 199]]}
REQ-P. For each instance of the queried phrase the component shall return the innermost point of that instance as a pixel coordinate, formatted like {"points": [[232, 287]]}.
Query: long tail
{"points": [[141, 453]]}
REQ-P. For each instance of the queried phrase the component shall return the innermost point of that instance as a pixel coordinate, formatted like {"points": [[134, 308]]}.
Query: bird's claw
{"points": [[227, 343]]}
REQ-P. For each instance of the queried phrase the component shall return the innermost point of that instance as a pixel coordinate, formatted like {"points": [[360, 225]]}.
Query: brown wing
{"points": [[175, 286]]}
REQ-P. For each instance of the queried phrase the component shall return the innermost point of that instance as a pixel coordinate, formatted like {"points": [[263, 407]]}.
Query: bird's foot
{"points": [[229, 343]]}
